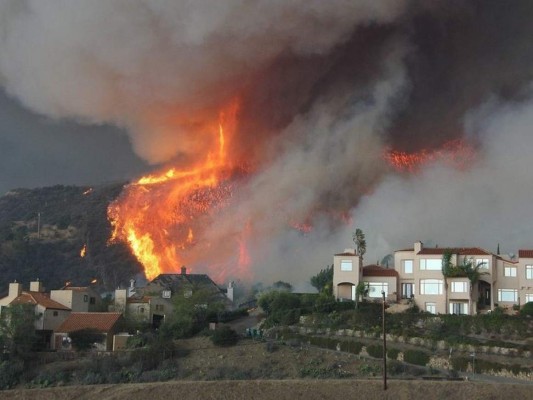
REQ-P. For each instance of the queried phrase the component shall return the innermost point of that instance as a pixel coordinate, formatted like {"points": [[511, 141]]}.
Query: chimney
{"points": [[229, 291], [36, 286], [15, 289], [349, 251], [418, 247], [184, 270]]}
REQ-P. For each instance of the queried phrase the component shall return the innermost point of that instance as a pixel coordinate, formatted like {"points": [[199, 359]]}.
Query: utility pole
{"points": [[384, 344], [39, 225]]}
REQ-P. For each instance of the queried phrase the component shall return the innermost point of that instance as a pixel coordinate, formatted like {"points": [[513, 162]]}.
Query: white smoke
{"points": [[484, 206], [157, 67]]}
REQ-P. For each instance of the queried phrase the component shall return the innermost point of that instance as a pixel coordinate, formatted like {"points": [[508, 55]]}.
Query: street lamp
{"points": [[384, 344]]}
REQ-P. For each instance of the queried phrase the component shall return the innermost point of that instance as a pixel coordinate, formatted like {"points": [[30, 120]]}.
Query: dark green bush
{"points": [[10, 372], [375, 350], [392, 353], [417, 357], [527, 310], [351, 346], [224, 336]]}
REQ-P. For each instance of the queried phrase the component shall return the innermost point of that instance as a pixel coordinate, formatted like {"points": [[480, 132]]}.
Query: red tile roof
{"points": [[463, 251], [102, 322], [376, 270], [39, 298], [525, 253], [346, 254]]}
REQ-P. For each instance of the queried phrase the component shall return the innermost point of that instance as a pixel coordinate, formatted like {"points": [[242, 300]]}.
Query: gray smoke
{"points": [[325, 87]]}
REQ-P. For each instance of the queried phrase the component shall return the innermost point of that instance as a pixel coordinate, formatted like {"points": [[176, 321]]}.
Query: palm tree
{"points": [[360, 242]]}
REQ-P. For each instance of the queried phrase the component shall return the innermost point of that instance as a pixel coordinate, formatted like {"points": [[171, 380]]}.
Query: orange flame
{"points": [[83, 251], [158, 214], [455, 153], [87, 191], [94, 281]]}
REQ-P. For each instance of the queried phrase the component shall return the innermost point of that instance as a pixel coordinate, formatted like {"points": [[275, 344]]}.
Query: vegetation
{"points": [[323, 281], [43, 230], [84, 339], [360, 242], [224, 336]]}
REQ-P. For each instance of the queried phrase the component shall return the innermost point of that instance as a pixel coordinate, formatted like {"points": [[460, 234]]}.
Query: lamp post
{"points": [[384, 344]]}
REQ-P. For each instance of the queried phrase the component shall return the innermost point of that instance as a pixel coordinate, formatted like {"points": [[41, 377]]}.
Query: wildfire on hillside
{"points": [[83, 251], [159, 215]]}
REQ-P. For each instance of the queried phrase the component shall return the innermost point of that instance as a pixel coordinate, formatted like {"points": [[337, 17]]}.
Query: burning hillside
{"points": [[274, 128]]}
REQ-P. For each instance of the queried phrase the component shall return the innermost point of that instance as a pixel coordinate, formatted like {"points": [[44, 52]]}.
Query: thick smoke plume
{"points": [[325, 90]]}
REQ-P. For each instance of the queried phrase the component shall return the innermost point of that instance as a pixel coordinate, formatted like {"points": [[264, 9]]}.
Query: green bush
{"points": [[416, 357], [527, 310], [224, 336], [10, 372], [351, 346], [375, 350], [392, 353]]}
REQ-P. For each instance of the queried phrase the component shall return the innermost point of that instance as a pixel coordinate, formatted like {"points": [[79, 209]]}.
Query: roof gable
{"points": [[38, 298]]}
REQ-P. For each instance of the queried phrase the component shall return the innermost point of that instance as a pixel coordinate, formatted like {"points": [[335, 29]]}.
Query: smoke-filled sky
{"points": [[99, 91]]}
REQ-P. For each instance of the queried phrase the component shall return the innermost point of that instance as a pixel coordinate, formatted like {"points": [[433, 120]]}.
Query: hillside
{"points": [[42, 232]]}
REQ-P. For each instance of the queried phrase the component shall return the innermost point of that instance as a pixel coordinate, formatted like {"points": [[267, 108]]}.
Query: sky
{"points": [[95, 92]]}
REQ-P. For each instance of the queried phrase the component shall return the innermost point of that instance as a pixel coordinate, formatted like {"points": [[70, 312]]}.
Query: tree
{"points": [[360, 242], [192, 308], [323, 281], [17, 330], [280, 285], [84, 339]]}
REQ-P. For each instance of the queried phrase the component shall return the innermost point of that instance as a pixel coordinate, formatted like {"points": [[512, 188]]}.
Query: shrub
{"points": [[527, 310], [85, 339], [416, 357], [351, 347], [10, 373], [375, 350], [392, 353], [224, 336]]}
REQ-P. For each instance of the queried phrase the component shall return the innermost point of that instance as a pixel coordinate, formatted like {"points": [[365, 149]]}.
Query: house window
{"points": [[510, 295], [407, 266], [92, 300], [159, 307], [529, 271], [166, 294], [509, 271], [459, 287], [482, 262], [458, 308], [375, 289], [431, 308], [407, 290], [346, 265], [56, 313], [430, 286], [85, 298], [141, 310], [430, 264], [529, 297]]}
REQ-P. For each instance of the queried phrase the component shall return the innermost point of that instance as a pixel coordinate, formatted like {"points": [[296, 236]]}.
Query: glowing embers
{"points": [[456, 153], [161, 216]]}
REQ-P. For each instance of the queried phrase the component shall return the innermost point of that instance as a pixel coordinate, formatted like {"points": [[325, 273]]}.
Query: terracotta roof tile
{"points": [[346, 254], [38, 298], [463, 251], [376, 270], [525, 253], [102, 322]]}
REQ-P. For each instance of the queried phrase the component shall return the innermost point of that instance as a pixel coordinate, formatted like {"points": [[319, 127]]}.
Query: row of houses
{"points": [[417, 276], [61, 312]]}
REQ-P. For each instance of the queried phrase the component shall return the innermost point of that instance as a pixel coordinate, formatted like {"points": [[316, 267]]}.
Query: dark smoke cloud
{"points": [[325, 89]]}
